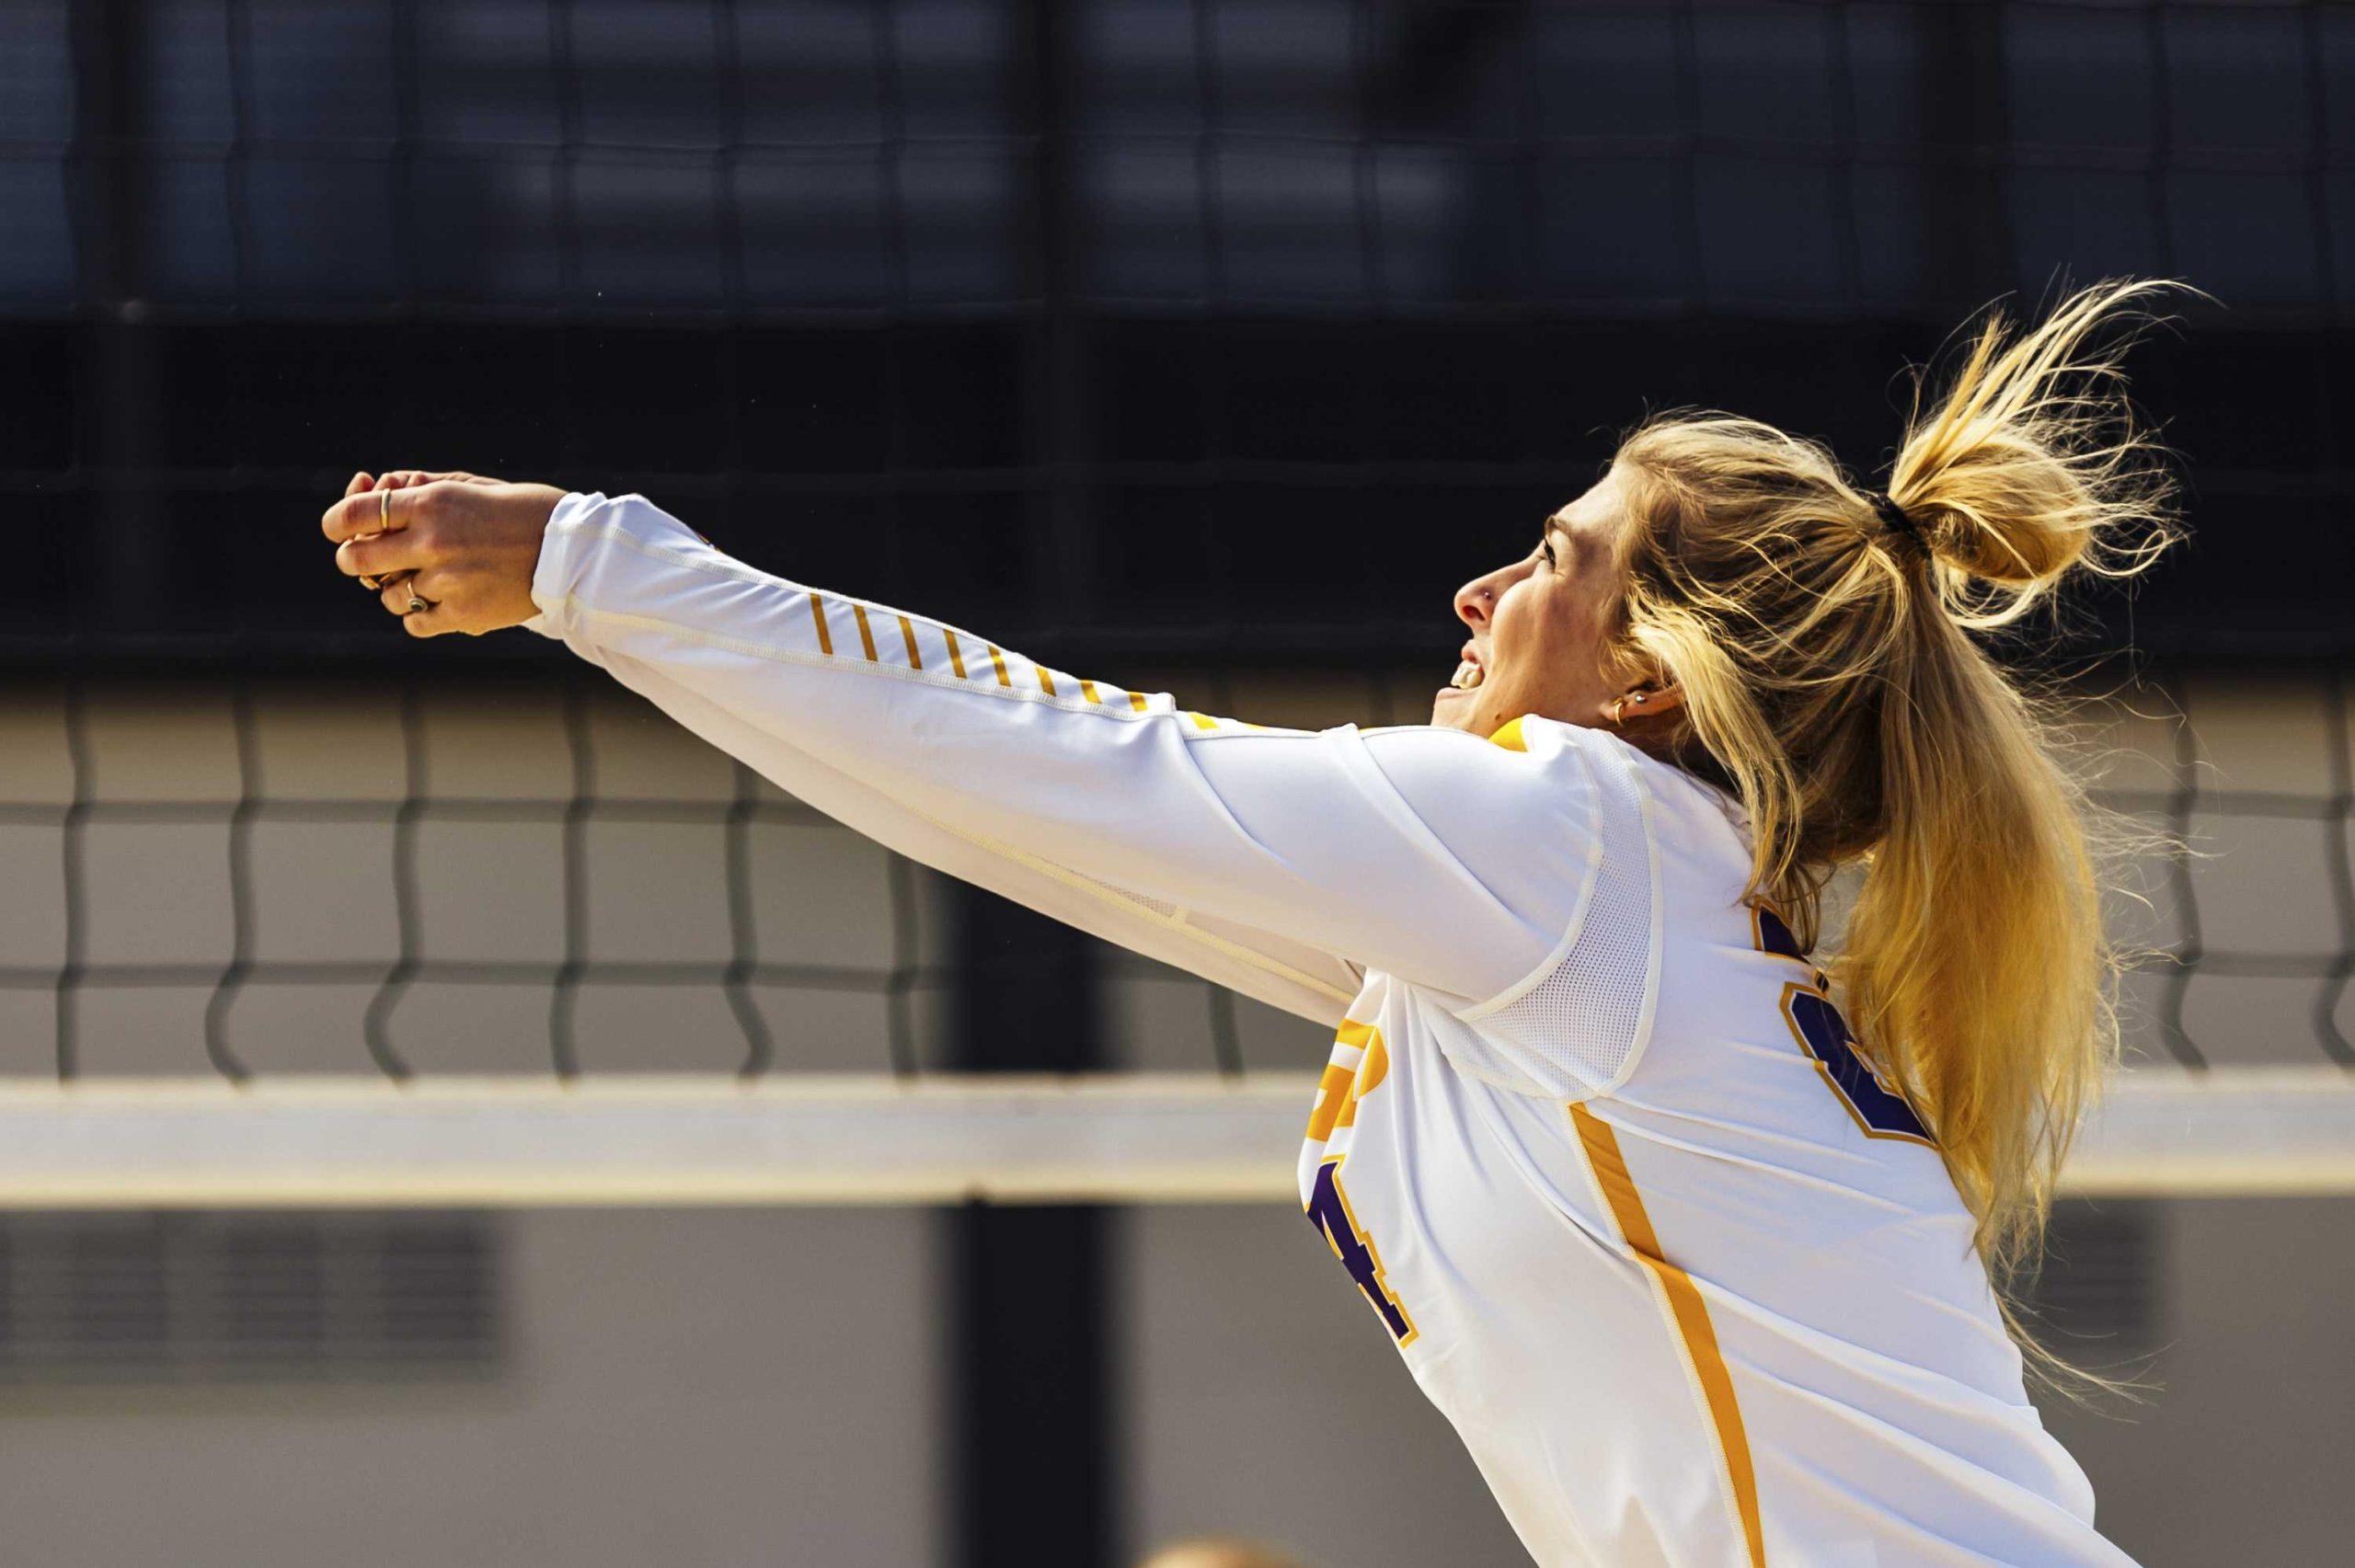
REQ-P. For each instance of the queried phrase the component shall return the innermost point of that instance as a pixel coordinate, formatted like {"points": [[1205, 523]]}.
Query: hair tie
{"points": [[1894, 517]]}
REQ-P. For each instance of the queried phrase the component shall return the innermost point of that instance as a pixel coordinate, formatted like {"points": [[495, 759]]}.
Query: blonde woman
{"points": [[1689, 1229]]}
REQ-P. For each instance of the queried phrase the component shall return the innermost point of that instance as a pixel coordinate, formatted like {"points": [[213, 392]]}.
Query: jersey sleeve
{"points": [[1428, 854]]}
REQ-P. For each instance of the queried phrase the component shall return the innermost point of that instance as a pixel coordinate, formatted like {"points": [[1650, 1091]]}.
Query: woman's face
{"points": [[1540, 625]]}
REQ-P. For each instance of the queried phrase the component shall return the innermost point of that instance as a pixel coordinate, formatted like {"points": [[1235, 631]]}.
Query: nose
{"points": [[1476, 600]]}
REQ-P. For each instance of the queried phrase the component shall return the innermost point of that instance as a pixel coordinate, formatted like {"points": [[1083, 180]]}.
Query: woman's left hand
{"points": [[460, 546]]}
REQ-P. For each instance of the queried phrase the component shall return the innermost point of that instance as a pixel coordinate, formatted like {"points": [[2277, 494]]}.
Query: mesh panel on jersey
{"points": [[1579, 1025]]}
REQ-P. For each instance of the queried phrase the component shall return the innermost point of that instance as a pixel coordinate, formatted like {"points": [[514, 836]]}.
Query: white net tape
{"points": [[1127, 1137]]}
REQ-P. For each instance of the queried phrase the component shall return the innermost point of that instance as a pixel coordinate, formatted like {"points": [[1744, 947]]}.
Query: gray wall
{"points": [[712, 1389], [2230, 1458]]}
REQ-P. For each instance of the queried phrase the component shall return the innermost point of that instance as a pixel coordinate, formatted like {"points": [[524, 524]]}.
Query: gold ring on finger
{"points": [[383, 522]]}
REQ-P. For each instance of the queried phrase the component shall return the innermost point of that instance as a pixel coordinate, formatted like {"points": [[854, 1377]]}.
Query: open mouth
{"points": [[1470, 673]]}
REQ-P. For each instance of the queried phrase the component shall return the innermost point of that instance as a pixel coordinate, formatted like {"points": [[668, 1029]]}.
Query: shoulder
{"points": [[1527, 755], [1545, 767], [1521, 820], [1677, 807], [1531, 778], [1540, 771]]}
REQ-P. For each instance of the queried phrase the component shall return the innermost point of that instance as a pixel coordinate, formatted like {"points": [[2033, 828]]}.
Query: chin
{"points": [[1452, 709]]}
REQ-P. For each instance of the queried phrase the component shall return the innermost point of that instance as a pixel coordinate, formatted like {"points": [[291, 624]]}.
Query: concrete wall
{"points": [[693, 1389]]}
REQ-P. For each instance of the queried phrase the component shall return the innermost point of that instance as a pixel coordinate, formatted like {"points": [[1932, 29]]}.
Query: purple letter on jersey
{"points": [[1329, 1212], [1825, 1033]]}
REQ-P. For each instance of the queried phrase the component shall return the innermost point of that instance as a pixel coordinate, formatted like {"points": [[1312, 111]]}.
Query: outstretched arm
{"points": [[1428, 854]]}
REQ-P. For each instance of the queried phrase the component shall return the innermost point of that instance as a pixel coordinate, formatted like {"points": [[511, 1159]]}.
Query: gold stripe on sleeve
{"points": [[1087, 689], [1690, 1314], [1046, 682], [818, 613], [999, 659], [908, 636], [1202, 721], [865, 632], [956, 656], [1136, 701]]}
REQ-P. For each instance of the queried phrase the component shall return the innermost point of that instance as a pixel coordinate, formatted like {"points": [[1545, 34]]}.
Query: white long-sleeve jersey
{"points": [[1691, 1284]]}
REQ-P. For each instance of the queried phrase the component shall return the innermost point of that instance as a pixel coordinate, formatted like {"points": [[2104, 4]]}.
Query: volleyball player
{"points": [[1690, 1229]]}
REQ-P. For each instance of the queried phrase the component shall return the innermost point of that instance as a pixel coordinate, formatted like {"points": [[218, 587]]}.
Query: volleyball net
{"points": [[269, 946]]}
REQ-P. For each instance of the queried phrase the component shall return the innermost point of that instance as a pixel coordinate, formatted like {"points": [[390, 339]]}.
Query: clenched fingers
{"points": [[464, 549], [391, 539], [377, 555], [361, 484], [450, 601], [354, 505], [426, 588], [365, 511]]}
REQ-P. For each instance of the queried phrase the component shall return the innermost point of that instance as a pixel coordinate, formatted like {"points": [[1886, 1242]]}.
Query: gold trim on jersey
{"points": [[1070, 693], [1374, 1066], [1346, 1082], [1510, 736], [1688, 1312], [1332, 1094]]}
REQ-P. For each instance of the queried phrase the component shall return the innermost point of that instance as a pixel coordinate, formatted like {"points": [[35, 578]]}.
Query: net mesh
{"points": [[242, 887], [268, 874]]}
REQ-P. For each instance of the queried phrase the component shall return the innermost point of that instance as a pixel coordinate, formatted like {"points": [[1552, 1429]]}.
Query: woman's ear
{"points": [[1632, 707]]}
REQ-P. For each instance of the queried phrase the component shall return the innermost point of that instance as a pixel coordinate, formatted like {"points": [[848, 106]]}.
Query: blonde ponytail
{"points": [[1833, 683]]}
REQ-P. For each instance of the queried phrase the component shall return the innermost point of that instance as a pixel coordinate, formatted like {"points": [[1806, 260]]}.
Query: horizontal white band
{"points": [[1127, 1137]]}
